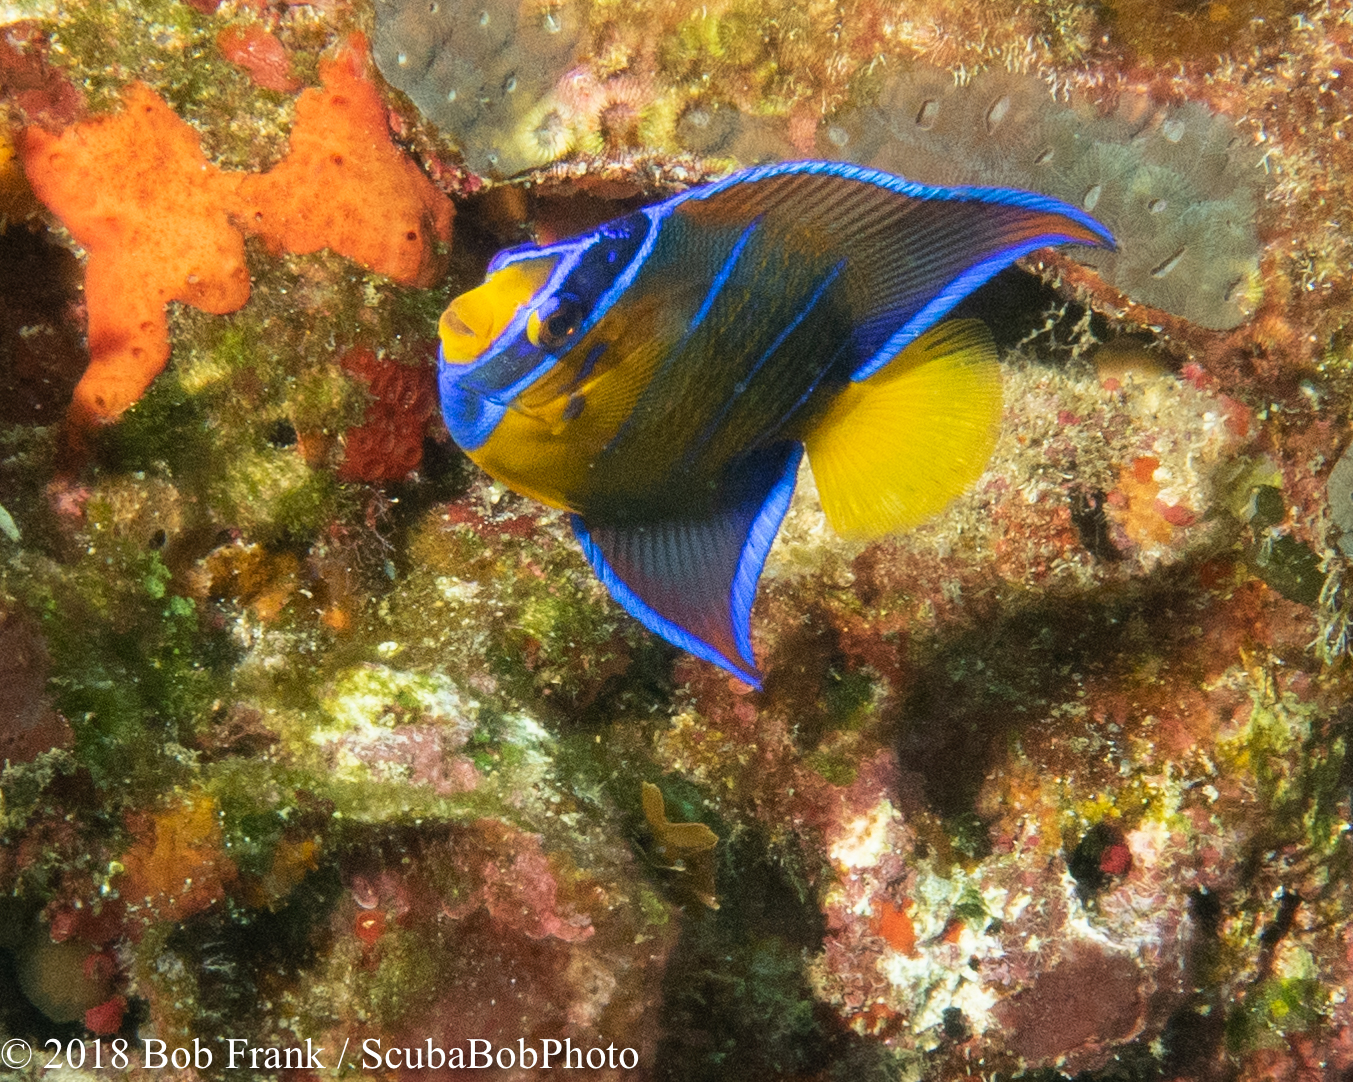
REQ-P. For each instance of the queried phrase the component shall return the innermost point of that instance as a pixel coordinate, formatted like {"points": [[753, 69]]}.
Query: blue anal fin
{"points": [[693, 581]]}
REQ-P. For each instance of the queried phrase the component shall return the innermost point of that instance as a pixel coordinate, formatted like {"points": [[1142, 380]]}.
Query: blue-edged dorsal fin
{"points": [[912, 251], [693, 580]]}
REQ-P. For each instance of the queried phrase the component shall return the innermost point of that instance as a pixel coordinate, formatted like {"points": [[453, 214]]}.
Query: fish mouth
{"points": [[474, 320]]}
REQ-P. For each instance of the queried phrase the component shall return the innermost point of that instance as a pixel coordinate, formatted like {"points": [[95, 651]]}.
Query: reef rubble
{"points": [[311, 732]]}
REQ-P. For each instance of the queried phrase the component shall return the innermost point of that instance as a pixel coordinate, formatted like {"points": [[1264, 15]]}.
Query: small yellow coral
{"points": [[683, 847]]}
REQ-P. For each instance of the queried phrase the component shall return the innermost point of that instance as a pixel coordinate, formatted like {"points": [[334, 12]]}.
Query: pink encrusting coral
{"points": [[515, 941], [260, 53], [514, 884], [311, 737]]}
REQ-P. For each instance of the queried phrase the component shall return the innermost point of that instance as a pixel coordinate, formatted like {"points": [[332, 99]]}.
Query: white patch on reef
{"points": [[528, 735], [937, 975], [805, 534], [456, 590], [866, 839], [11, 11], [370, 700], [1147, 844], [1014, 907]]}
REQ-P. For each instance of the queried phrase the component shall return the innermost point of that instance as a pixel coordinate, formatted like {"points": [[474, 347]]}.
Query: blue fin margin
{"points": [[739, 571]]}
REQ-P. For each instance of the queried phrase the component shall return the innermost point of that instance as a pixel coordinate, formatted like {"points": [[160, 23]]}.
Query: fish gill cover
{"points": [[513, 86]]}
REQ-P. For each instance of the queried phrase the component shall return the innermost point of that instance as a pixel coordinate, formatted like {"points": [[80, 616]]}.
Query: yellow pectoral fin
{"points": [[897, 447]]}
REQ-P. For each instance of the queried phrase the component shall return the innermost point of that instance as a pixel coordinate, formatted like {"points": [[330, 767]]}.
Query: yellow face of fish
{"points": [[473, 320], [519, 451], [531, 388]]}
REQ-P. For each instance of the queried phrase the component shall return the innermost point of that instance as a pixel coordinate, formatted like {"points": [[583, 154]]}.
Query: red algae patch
{"points": [[260, 54], [29, 723], [1092, 998], [106, 1019], [161, 224], [41, 93]]}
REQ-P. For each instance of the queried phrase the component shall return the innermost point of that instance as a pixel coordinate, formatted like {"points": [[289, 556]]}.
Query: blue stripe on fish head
{"points": [[577, 294]]}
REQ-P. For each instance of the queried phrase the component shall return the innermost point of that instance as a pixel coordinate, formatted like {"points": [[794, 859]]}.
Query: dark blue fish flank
{"points": [[662, 377]]}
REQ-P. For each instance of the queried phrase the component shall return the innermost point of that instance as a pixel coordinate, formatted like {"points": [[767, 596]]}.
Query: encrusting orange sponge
{"points": [[135, 190], [161, 224], [343, 184]]}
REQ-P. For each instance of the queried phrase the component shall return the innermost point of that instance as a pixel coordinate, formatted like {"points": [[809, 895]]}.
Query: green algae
{"points": [[653, 909], [850, 698], [106, 43], [172, 47], [526, 610], [1273, 1011], [23, 787], [839, 769], [132, 669], [209, 423], [968, 835], [406, 977]]}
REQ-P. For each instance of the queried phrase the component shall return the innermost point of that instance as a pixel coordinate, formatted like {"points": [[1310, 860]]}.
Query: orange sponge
{"points": [[177, 864], [160, 224], [135, 190], [344, 186]]}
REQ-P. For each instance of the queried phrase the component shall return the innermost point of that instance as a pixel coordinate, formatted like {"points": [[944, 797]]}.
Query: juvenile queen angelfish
{"points": [[661, 377]]}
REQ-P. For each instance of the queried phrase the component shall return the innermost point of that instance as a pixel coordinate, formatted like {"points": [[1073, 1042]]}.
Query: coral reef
{"points": [[162, 225], [1176, 184], [1172, 184], [312, 734]]}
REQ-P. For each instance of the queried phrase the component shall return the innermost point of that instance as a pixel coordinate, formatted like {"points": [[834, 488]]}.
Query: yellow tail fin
{"points": [[895, 448]]}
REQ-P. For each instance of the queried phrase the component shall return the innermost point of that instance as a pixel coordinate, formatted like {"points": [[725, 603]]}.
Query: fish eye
{"points": [[554, 322]]}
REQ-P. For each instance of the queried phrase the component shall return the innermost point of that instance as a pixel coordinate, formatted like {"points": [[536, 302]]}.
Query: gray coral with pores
{"points": [[1175, 185], [483, 72]]}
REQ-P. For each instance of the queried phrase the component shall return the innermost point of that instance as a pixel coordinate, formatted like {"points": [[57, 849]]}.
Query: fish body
{"points": [[661, 377]]}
